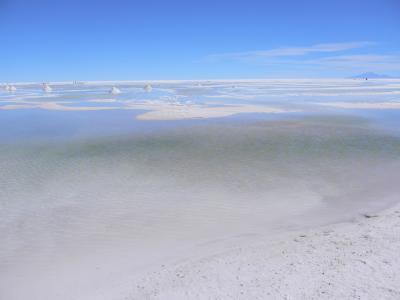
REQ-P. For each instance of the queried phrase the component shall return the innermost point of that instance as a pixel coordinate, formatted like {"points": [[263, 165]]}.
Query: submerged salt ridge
{"points": [[109, 207]]}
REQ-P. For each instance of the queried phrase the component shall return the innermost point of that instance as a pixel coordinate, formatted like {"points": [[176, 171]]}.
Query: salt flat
{"points": [[199, 186], [174, 100]]}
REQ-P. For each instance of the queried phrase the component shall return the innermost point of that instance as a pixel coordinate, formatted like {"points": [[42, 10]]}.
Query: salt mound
{"points": [[148, 88], [11, 88], [115, 91], [46, 88]]}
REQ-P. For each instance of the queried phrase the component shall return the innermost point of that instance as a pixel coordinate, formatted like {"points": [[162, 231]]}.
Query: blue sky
{"points": [[117, 40]]}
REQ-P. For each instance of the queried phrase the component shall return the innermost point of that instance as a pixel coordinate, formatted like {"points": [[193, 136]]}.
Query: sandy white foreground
{"points": [[355, 260]]}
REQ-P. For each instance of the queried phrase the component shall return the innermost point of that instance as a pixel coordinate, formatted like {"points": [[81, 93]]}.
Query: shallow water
{"points": [[89, 199]]}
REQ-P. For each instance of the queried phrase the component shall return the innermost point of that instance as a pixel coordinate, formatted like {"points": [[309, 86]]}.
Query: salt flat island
{"points": [[245, 189]]}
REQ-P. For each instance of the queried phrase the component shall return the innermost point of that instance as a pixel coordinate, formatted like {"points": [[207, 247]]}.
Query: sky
{"points": [[149, 40]]}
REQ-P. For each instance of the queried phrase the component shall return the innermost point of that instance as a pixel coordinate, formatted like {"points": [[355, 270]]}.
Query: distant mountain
{"points": [[371, 75]]}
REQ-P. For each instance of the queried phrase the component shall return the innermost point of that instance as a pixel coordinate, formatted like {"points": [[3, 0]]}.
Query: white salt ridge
{"points": [[158, 110], [182, 111]]}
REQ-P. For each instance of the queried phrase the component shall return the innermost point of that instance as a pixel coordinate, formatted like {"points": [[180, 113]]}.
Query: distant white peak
{"points": [[115, 91], [12, 88], [148, 88], [46, 88]]}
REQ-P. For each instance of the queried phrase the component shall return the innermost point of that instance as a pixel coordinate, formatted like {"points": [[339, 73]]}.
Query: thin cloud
{"points": [[358, 62], [318, 58], [289, 51]]}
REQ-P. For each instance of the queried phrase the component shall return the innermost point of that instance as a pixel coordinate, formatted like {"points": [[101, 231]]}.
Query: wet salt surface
{"points": [[30, 113], [111, 197], [112, 205], [303, 95]]}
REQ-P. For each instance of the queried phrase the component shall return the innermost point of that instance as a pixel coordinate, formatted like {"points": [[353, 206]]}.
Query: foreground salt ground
{"points": [[354, 260]]}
